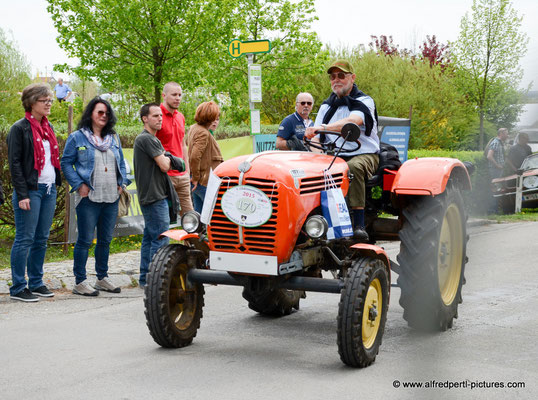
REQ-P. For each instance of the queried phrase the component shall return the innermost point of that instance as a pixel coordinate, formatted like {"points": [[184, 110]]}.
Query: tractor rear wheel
{"points": [[273, 302], [362, 312], [173, 307], [432, 260]]}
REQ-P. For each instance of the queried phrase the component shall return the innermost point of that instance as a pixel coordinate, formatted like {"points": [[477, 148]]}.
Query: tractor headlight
{"points": [[316, 226], [191, 221], [530, 182]]}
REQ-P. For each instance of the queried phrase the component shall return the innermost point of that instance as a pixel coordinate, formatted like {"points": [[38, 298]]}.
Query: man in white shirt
{"points": [[348, 104]]}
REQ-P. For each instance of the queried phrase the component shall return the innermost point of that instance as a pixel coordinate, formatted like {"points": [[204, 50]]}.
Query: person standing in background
{"points": [[94, 166], [495, 157], [62, 90], [34, 164], [172, 137], [204, 151], [151, 164]]}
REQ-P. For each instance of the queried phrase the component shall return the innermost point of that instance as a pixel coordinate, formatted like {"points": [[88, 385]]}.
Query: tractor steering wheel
{"points": [[350, 133]]}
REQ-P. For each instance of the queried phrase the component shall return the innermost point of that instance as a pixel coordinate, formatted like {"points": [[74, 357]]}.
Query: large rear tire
{"points": [[173, 307], [432, 260], [273, 302], [362, 312]]}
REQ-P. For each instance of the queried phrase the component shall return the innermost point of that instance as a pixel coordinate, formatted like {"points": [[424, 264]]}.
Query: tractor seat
{"points": [[388, 159]]}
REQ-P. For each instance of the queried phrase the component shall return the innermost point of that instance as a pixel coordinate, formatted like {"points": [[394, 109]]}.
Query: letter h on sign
{"points": [[236, 48]]}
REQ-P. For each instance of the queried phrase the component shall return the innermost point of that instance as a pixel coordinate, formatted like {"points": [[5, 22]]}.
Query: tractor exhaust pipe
{"points": [[293, 283]]}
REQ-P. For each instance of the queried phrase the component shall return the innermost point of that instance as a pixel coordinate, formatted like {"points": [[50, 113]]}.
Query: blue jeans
{"points": [[91, 215], [32, 228], [198, 196], [156, 221]]}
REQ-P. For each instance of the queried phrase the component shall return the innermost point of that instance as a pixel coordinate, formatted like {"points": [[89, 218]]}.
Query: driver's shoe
{"points": [[360, 235]]}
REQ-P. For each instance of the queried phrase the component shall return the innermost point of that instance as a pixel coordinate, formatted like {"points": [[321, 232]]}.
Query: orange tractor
{"points": [[267, 233]]}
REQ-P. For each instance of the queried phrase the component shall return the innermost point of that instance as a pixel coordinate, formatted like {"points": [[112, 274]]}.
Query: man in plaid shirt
{"points": [[495, 156]]}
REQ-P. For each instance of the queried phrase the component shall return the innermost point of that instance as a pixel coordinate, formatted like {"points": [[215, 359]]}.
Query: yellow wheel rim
{"points": [[181, 301], [450, 254], [371, 314]]}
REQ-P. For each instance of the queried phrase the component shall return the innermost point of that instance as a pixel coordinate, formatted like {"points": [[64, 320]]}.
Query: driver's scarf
{"points": [[351, 102]]}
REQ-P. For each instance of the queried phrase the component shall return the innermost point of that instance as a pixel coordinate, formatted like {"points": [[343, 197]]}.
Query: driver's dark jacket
{"points": [[20, 144]]}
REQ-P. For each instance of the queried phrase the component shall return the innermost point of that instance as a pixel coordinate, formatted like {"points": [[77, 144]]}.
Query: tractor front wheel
{"points": [[173, 306], [362, 312]]}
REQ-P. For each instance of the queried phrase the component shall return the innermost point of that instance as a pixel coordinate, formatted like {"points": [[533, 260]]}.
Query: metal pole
{"points": [[250, 59], [519, 189]]}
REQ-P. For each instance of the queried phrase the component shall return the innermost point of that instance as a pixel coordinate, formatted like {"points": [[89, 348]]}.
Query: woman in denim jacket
{"points": [[93, 165]]}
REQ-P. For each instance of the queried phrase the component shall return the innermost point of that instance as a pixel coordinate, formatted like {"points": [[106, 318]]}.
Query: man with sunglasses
{"points": [[348, 104], [291, 131]]}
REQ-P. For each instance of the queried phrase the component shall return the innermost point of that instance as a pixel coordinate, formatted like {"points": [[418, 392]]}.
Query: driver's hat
{"points": [[342, 65]]}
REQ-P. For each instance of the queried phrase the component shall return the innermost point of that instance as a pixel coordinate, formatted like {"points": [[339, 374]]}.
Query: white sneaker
{"points": [[106, 285], [85, 289]]}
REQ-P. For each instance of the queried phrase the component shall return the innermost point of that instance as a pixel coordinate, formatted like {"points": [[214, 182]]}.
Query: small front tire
{"points": [[173, 307], [362, 312]]}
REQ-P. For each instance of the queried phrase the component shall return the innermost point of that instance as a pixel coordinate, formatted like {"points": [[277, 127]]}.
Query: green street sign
{"points": [[237, 48]]}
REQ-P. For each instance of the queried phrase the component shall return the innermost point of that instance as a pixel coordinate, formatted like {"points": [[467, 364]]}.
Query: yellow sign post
{"points": [[238, 48]]}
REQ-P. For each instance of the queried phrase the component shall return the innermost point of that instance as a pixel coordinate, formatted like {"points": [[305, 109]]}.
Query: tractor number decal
{"points": [[246, 206]]}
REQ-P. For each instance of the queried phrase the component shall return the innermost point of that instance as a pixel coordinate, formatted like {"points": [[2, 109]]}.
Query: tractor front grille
{"points": [[224, 234]]}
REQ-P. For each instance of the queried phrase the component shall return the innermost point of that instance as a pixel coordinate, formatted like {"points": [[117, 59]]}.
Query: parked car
{"points": [[505, 188]]}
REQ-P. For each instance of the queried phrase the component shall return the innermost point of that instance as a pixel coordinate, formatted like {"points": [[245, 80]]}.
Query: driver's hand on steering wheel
{"points": [[310, 132]]}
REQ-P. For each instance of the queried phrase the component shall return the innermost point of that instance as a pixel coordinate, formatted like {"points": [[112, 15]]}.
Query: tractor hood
{"points": [[290, 168]]}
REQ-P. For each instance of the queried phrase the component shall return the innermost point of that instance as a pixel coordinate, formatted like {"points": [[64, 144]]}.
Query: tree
{"points": [[296, 53], [436, 53], [142, 43], [14, 76], [488, 51]]}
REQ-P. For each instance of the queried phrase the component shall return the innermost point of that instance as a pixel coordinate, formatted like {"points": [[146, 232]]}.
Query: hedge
{"points": [[476, 200]]}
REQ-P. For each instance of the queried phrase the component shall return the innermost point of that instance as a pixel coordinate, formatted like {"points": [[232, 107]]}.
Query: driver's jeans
{"points": [[363, 167]]}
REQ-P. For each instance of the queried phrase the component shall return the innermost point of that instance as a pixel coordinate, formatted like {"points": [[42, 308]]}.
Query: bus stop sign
{"points": [[238, 48]]}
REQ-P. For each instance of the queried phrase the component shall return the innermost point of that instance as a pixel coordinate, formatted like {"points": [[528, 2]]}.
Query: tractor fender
{"points": [[429, 176], [179, 234], [371, 250]]}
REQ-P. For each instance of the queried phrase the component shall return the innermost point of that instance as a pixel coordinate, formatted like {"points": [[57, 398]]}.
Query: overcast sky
{"points": [[341, 22]]}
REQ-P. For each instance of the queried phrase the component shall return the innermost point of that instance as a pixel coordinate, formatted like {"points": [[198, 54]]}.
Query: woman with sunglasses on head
{"points": [[204, 152], [93, 165], [291, 130], [34, 165]]}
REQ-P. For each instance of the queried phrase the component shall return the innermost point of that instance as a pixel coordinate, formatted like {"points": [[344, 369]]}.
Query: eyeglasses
{"points": [[339, 75], [304, 103], [101, 113], [46, 101]]}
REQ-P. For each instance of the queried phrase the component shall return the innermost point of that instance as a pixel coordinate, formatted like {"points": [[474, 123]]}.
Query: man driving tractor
{"points": [[348, 104]]}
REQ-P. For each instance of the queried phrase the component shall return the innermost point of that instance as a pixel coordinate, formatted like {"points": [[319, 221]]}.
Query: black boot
{"points": [[359, 233]]}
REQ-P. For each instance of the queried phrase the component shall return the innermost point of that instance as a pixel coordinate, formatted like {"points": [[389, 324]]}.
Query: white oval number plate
{"points": [[246, 206]]}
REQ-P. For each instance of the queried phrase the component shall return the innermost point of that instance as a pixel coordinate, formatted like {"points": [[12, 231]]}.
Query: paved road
{"points": [[87, 348]]}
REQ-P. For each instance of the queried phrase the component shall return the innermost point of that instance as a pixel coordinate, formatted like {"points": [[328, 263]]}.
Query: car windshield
{"points": [[533, 136], [530, 162]]}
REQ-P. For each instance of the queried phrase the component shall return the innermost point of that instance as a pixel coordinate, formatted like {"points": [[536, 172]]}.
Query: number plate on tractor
{"points": [[246, 263]]}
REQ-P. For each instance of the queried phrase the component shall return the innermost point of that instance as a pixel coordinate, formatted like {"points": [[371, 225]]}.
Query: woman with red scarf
{"points": [[34, 163]]}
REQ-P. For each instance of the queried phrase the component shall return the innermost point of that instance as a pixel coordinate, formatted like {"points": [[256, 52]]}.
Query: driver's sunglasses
{"points": [[339, 75], [304, 103]]}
